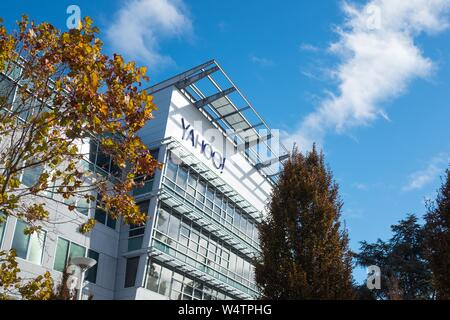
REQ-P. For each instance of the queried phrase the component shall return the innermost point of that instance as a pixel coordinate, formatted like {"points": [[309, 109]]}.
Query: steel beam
{"points": [[267, 163], [232, 113], [201, 103], [196, 77]]}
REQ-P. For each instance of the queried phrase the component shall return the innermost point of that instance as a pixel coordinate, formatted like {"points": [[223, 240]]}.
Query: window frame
{"points": [[29, 237], [66, 259]]}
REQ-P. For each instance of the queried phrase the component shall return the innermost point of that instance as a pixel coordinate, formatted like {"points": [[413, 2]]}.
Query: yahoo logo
{"points": [[205, 148]]}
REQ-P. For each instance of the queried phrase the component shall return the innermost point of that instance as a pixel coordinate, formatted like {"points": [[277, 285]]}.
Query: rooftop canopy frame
{"points": [[212, 91]]}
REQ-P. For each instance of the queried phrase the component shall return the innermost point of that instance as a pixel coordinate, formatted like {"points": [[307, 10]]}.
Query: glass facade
{"points": [[178, 286], [28, 246], [183, 239], [209, 200]]}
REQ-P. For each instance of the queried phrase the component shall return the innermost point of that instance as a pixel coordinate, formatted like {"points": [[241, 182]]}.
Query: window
{"points": [[200, 195], [91, 274], [131, 272], [28, 247], [153, 277], [199, 249], [31, 175], [65, 250], [174, 227], [163, 221], [81, 204], [182, 179], [171, 173], [102, 216], [3, 219], [164, 284], [102, 160], [136, 233], [145, 185], [7, 90], [176, 286]]}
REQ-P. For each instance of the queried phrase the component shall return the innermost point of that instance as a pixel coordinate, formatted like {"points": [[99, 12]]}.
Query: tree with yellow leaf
{"points": [[61, 101]]}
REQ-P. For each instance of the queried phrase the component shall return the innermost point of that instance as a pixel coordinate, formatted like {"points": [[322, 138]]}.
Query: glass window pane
{"points": [[210, 193], [135, 243], [2, 226], [243, 224], [174, 227], [20, 240], [83, 205], [177, 285], [182, 177], [31, 175], [144, 206], [153, 277], [166, 277], [91, 274], [237, 219], [192, 180], [175, 295], [100, 215], [103, 160], [131, 271], [239, 265], [62, 250], [36, 247], [171, 171], [232, 265], [92, 150], [111, 222], [76, 251], [201, 188], [163, 221], [250, 229], [7, 89]]}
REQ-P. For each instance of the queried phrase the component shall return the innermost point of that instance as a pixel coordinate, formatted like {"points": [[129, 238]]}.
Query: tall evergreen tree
{"points": [[405, 273], [437, 237], [305, 252]]}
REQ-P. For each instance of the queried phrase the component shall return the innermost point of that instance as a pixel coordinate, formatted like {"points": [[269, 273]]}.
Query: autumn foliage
{"points": [[68, 95]]}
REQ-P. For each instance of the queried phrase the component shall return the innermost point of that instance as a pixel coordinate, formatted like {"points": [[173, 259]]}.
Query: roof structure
{"points": [[212, 91]]}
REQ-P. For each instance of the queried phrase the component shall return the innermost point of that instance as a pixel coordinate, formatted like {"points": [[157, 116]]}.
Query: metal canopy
{"points": [[210, 89]]}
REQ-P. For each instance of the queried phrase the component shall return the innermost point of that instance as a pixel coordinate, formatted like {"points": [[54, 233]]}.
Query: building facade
{"points": [[220, 162]]}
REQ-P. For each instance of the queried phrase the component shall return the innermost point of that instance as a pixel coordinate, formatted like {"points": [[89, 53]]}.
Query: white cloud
{"points": [[421, 178], [378, 59], [308, 47], [141, 25], [261, 61], [361, 186]]}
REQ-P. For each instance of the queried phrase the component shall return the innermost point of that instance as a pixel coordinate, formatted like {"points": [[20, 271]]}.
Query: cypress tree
{"points": [[305, 252], [437, 239]]}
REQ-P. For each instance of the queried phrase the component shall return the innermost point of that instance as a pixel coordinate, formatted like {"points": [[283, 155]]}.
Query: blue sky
{"points": [[368, 80]]}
